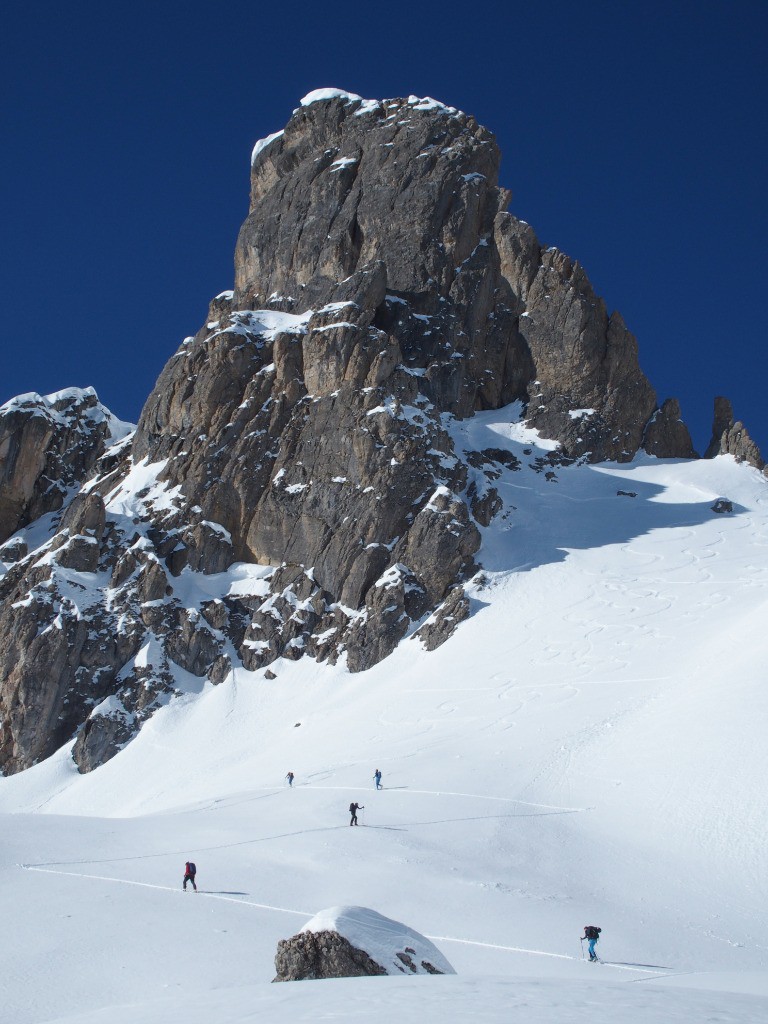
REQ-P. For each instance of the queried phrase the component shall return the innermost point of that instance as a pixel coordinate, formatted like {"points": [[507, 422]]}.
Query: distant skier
{"points": [[377, 778], [591, 934], [353, 809], [189, 874], [289, 776]]}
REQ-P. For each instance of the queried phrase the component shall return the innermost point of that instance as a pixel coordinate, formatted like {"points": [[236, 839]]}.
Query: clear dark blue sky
{"points": [[630, 131]]}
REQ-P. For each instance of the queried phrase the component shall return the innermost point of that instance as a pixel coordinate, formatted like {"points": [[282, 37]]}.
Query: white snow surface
{"points": [[417, 102], [72, 398], [588, 748], [318, 95], [262, 144], [266, 323]]}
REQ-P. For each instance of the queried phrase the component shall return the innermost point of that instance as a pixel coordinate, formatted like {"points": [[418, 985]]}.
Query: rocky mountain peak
{"points": [[350, 182], [299, 483]]}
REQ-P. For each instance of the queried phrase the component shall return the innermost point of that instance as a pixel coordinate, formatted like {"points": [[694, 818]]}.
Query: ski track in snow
{"points": [[545, 811], [308, 914]]}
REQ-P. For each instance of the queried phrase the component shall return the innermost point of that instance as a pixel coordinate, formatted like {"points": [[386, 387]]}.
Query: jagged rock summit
{"points": [[297, 484]]}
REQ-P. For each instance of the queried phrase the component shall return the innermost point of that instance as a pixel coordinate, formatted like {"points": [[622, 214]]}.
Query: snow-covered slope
{"points": [[588, 748]]}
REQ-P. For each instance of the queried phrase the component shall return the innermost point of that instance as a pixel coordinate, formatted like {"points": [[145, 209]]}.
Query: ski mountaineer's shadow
{"points": [[388, 828], [223, 892], [622, 963]]}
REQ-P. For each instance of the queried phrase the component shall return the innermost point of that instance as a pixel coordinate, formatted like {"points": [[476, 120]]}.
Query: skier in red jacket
{"points": [[189, 875]]}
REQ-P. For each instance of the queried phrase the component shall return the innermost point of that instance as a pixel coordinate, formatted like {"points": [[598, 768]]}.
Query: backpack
{"points": [[591, 932], [191, 869]]}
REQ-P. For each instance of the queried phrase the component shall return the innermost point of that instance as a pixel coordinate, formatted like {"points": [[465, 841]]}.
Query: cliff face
{"points": [[48, 446], [381, 292]]}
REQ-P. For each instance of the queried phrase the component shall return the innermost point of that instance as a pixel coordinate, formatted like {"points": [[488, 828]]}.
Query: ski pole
{"points": [[582, 948]]}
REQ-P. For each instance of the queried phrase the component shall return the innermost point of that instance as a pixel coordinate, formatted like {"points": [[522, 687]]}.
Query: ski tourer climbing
{"points": [[353, 809], [377, 778], [290, 778], [591, 934], [189, 875]]}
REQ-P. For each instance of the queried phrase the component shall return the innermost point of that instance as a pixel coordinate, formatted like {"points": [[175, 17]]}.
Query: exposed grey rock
{"points": [[312, 955], [488, 458], [55, 664], [346, 942], [484, 506], [216, 614], [722, 506], [78, 540], [115, 721], [729, 437], [74, 616], [191, 644], [85, 515], [666, 436], [207, 548], [440, 545], [13, 550], [48, 444], [406, 959], [586, 388], [80, 553], [442, 625], [384, 621], [220, 669], [336, 174], [100, 739], [484, 501]]}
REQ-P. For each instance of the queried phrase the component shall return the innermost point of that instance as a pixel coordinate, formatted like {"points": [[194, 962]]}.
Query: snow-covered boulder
{"points": [[352, 942]]}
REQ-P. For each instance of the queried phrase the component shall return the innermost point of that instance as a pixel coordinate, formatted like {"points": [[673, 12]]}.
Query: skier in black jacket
{"points": [[353, 809]]}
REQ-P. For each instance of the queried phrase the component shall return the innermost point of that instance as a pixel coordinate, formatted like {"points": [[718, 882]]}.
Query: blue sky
{"points": [[630, 134]]}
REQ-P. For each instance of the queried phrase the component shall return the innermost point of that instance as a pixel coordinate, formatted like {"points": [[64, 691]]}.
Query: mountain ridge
{"points": [[311, 435]]}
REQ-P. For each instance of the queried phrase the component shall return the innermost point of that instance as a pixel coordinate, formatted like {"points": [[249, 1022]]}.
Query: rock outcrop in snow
{"points": [[730, 437], [294, 486], [353, 942]]}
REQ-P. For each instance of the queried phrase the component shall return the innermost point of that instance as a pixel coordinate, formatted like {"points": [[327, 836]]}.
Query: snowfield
{"points": [[588, 748]]}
